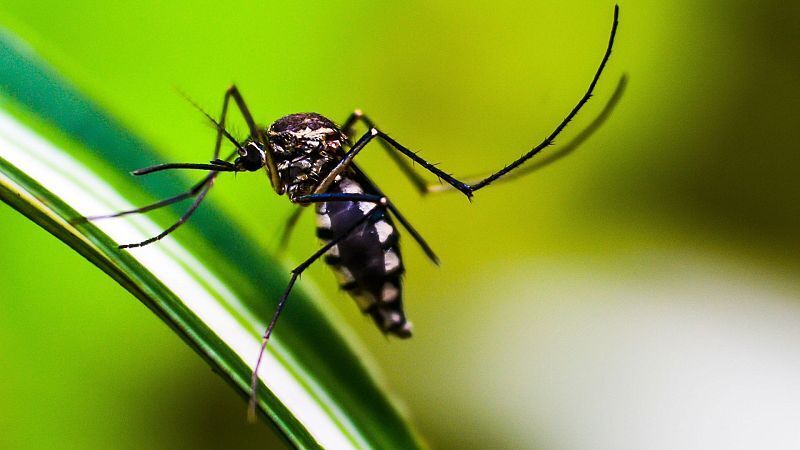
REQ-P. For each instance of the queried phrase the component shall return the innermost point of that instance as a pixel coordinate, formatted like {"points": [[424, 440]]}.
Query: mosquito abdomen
{"points": [[367, 263]]}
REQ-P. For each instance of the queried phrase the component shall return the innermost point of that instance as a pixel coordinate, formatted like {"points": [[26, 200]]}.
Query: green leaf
{"points": [[61, 157]]}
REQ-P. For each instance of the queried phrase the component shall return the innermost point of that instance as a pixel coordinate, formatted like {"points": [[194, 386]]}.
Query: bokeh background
{"points": [[642, 293]]}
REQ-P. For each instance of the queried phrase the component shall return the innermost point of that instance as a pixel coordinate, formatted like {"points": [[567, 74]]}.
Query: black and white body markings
{"points": [[311, 160]]}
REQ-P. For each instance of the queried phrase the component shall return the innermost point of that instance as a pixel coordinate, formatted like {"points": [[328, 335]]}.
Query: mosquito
{"points": [[310, 159]]}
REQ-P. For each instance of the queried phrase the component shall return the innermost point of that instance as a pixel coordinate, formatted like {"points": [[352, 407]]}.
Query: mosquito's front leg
{"points": [[200, 189]]}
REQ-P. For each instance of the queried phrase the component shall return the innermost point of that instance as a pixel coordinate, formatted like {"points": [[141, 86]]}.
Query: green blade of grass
{"points": [[57, 150]]}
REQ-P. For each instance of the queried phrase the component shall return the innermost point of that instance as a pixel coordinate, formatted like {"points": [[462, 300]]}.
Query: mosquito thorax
{"points": [[305, 147]]}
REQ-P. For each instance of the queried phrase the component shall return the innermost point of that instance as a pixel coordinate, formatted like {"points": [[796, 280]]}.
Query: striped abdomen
{"points": [[367, 262]]}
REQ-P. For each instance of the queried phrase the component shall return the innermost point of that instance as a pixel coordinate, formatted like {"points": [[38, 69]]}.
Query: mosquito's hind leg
{"points": [[468, 189], [380, 203], [416, 179], [562, 152]]}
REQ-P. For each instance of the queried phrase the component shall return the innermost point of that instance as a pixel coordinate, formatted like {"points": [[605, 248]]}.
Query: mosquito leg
{"points": [[469, 189], [218, 166], [549, 139], [416, 180], [200, 189], [159, 204], [417, 237], [415, 234], [295, 274], [200, 196], [341, 197], [255, 132], [366, 139], [345, 162], [564, 151]]}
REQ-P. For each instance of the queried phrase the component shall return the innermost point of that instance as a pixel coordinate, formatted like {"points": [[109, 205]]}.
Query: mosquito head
{"points": [[305, 147], [251, 157]]}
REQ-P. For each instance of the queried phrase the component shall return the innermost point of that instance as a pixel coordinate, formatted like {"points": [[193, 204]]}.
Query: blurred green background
{"points": [[641, 293]]}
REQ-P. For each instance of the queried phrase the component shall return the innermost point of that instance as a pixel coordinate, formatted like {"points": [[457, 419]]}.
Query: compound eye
{"points": [[249, 151], [252, 157]]}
